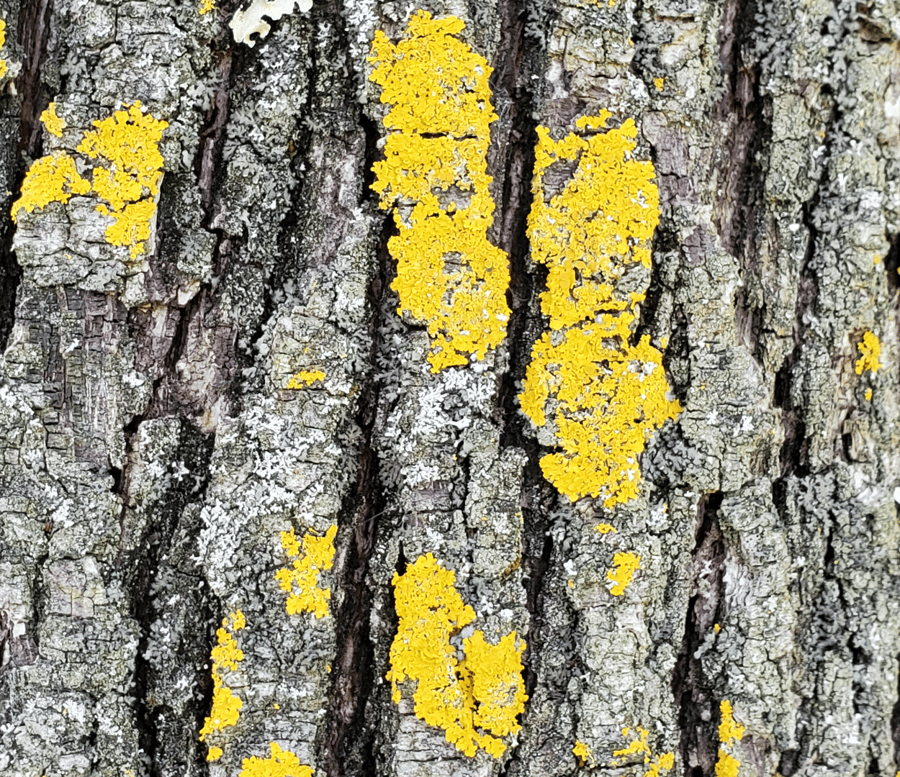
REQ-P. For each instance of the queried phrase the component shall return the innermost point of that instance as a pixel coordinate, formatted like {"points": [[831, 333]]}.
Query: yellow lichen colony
{"points": [[606, 394], [54, 124], [3, 65], [226, 705], [435, 171], [870, 350], [125, 177], [206, 6], [624, 567], [281, 763], [639, 746], [729, 733], [583, 754], [476, 700], [301, 582], [305, 378]]}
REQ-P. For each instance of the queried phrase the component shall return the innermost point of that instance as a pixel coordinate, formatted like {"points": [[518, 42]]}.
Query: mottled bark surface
{"points": [[165, 415]]}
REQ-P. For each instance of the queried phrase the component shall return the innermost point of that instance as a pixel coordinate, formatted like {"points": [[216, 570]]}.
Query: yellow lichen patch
{"points": [[868, 395], [301, 582], [206, 6], [729, 731], [3, 64], [305, 378], [51, 178], [475, 701], [281, 763], [54, 124], [663, 762], [727, 765], [606, 395], [605, 528], [637, 745], [870, 350], [226, 705], [583, 754], [449, 276], [659, 83], [129, 173], [624, 567]]}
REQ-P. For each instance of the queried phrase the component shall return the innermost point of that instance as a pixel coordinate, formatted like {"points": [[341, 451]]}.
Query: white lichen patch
{"points": [[251, 19]]}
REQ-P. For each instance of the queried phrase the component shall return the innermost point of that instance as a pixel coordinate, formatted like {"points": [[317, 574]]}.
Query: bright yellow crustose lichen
{"points": [[226, 705], [605, 528], [624, 567], [305, 378], [3, 64], [475, 701], [870, 350], [206, 6], [129, 173], [606, 394], [52, 178], [312, 555], [54, 124], [639, 746], [281, 763], [449, 276], [583, 753], [729, 733]]}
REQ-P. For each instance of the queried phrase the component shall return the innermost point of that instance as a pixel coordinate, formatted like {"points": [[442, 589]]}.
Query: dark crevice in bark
{"points": [[194, 453], [895, 717], [208, 161], [696, 703], [892, 264], [348, 744]]}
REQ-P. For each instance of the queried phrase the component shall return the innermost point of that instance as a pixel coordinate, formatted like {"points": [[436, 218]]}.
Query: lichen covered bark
{"points": [[501, 388]]}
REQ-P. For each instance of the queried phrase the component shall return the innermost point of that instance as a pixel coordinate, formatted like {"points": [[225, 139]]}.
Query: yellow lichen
{"points": [[52, 178], [226, 705], [129, 172], [475, 701], [663, 762], [206, 6], [449, 276], [583, 754], [301, 582], [605, 528], [281, 763], [870, 350], [606, 394], [868, 395], [727, 765], [54, 124], [305, 378], [636, 746], [3, 64], [729, 733], [625, 565], [659, 83]]}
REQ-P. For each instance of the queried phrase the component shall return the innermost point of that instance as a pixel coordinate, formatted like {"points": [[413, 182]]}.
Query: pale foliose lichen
{"points": [[730, 732], [605, 394], [476, 700], [249, 20], [312, 555], [126, 174], [226, 705], [870, 352], [449, 276], [281, 763]]}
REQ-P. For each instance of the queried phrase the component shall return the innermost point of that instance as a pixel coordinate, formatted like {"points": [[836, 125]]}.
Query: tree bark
{"points": [[241, 363]]}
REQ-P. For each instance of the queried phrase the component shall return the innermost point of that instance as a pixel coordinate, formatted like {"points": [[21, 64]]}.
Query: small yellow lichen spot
{"points": [[605, 528], [583, 754], [3, 64], [449, 276], [128, 174], [305, 378], [301, 582], [663, 762], [868, 395], [625, 565], [659, 83], [636, 746], [226, 705], [729, 731], [281, 763], [475, 701], [727, 765], [870, 348], [51, 178], [206, 6], [716, 628], [607, 395], [54, 124]]}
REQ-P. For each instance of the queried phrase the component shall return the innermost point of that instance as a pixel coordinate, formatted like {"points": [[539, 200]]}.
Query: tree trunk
{"points": [[312, 458]]}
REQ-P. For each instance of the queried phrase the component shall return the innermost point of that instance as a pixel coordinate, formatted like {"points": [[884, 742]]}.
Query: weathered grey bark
{"points": [[152, 454]]}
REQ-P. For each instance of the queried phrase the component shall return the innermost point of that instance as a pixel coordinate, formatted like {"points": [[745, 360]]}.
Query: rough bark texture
{"points": [[154, 449]]}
